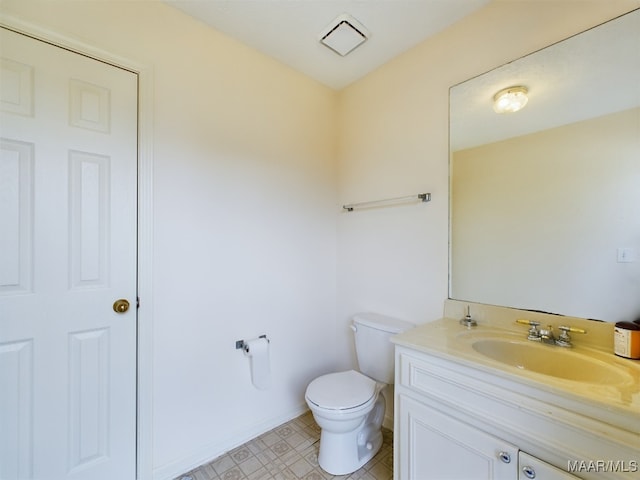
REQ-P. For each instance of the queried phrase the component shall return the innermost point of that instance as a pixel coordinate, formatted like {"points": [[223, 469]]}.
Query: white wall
{"points": [[244, 222]]}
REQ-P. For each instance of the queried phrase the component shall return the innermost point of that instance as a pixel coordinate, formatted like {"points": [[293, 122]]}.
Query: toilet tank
{"points": [[374, 349]]}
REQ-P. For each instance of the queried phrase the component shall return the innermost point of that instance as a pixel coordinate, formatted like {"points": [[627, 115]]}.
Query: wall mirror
{"points": [[545, 202]]}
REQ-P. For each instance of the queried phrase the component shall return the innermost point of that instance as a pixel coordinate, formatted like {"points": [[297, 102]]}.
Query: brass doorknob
{"points": [[121, 305]]}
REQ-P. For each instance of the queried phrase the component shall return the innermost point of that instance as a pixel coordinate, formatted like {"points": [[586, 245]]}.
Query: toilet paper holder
{"points": [[240, 343]]}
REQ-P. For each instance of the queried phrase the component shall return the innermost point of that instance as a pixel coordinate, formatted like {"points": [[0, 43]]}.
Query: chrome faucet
{"points": [[545, 335]]}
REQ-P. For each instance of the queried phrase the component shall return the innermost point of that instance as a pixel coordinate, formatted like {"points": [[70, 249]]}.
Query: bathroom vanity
{"points": [[469, 404]]}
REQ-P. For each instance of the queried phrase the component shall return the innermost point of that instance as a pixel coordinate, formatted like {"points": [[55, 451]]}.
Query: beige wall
{"points": [[244, 202], [537, 220], [251, 163], [394, 141]]}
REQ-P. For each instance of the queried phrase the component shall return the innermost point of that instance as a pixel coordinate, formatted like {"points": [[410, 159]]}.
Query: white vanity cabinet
{"points": [[437, 446], [434, 445], [530, 467], [455, 421]]}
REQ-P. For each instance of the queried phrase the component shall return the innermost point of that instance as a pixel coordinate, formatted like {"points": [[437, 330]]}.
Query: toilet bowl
{"points": [[349, 406]]}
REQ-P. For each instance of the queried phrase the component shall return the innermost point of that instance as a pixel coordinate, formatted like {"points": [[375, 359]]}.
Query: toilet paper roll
{"points": [[258, 352]]}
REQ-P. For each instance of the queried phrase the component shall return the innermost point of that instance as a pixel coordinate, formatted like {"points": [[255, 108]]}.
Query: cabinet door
{"points": [[433, 445], [534, 468]]}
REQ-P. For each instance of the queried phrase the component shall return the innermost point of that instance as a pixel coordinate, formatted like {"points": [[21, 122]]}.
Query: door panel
{"points": [[68, 163], [438, 447], [16, 216]]}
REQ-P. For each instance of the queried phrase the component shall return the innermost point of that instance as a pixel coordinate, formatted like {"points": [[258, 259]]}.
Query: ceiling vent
{"points": [[344, 34]]}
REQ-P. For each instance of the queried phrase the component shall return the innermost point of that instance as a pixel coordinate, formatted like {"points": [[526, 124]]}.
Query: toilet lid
{"points": [[342, 390]]}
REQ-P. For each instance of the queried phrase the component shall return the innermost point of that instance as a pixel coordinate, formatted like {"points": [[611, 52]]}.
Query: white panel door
{"points": [[68, 163]]}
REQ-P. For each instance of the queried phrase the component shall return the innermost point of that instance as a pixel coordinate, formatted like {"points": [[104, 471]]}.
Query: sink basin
{"points": [[550, 360]]}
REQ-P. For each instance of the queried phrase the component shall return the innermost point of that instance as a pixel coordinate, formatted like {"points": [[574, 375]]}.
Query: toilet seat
{"points": [[342, 391]]}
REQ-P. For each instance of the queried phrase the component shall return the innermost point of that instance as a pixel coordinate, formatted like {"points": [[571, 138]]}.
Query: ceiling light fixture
{"points": [[510, 99], [344, 34]]}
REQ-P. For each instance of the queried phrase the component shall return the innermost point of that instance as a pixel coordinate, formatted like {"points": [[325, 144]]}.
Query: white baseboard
{"points": [[214, 450]]}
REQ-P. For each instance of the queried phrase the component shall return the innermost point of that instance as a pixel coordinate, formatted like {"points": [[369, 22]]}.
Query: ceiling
{"points": [[289, 30]]}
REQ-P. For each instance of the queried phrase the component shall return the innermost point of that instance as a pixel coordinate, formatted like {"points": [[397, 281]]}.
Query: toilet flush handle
{"points": [[353, 327]]}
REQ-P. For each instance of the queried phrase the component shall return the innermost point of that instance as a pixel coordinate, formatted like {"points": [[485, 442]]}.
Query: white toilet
{"points": [[349, 406]]}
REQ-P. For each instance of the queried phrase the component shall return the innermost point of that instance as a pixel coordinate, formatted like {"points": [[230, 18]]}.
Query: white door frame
{"points": [[144, 459]]}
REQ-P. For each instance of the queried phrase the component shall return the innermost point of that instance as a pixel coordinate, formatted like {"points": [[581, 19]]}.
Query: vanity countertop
{"points": [[615, 403]]}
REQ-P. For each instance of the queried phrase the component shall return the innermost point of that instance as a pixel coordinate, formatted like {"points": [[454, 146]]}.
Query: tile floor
{"points": [[289, 452]]}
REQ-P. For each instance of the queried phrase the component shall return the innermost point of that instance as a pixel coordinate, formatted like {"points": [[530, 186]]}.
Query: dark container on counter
{"points": [[626, 339]]}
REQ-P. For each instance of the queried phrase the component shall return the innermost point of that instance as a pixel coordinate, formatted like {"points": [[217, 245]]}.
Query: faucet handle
{"points": [[564, 340], [571, 329], [534, 333], [532, 323]]}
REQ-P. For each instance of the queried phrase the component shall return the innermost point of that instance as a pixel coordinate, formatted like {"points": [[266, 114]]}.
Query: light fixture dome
{"points": [[510, 99]]}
